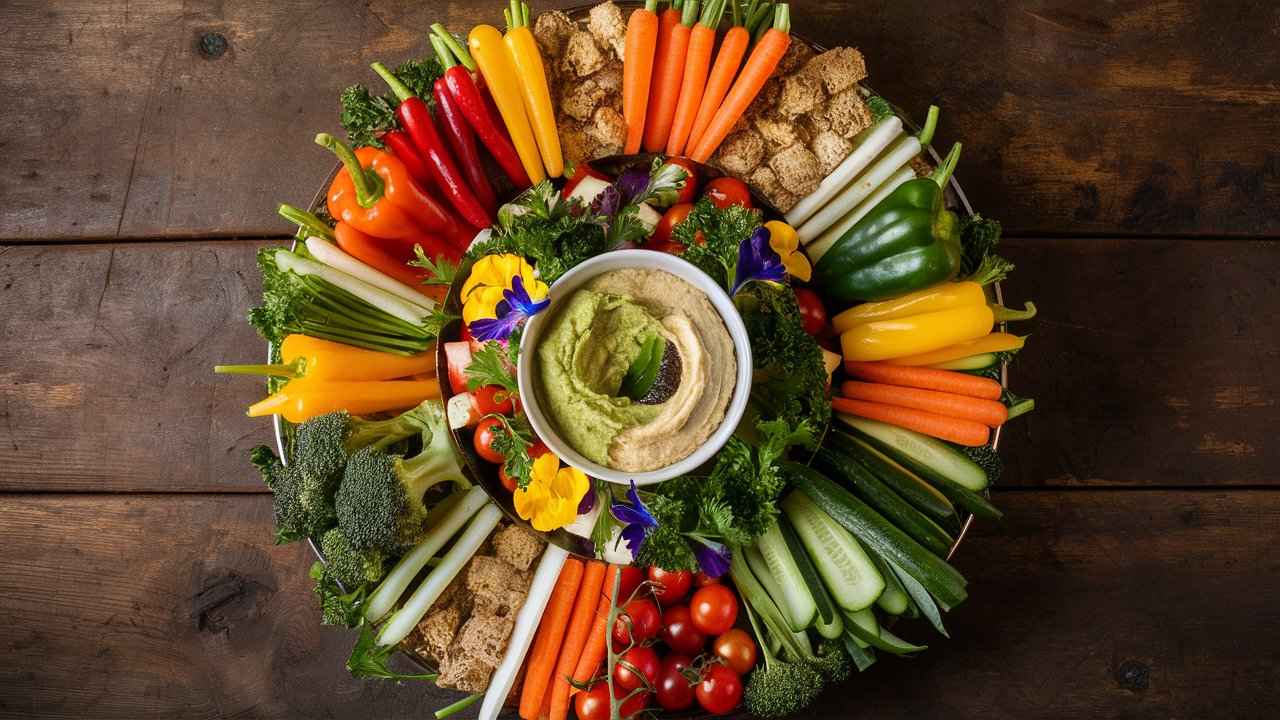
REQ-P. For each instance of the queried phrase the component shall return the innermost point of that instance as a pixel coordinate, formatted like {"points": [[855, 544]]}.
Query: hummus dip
{"points": [[592, 340]]}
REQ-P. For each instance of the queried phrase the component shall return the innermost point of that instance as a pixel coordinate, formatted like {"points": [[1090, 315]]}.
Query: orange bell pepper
{"points": [[304, 399], [303, 356]]}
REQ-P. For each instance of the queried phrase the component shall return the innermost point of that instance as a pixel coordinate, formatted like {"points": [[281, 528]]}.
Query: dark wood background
{"points": [[1130, 147]]}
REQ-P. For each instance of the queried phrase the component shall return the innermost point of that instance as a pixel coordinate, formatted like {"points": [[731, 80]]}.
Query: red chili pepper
{"points": [[402, 147], [415, 118], [462, 139], [483, 117]]}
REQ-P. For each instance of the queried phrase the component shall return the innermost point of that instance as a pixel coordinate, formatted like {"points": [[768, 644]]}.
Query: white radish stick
{"points": [[826, 240], [335, 257], [391, 304], [898, 154], [875, 141]]}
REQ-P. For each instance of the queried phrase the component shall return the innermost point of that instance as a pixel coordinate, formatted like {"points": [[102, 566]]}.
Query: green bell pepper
{"points": [[908, 242]]}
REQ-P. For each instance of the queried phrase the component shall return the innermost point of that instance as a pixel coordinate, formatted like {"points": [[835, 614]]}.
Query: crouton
{"points": [[830, 149], [839, 69], [609, 130], [517, 547], [814, 124], [767, 98], [776, 132], [847, 113], [797, 54], [552, 30], [783, 201], [797, 169], [800, 94], [476, 651], [609, 78], [436, 632], [740, 153], [496, 587], [577, 146], [765, 181], [605, 23], [580, 99], [581, 55]]}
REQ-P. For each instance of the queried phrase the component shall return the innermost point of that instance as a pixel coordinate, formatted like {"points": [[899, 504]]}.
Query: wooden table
{"points": [[1130, 148]]}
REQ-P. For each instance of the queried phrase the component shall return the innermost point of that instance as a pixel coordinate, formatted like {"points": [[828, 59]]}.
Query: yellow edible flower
{"points": [[489, 278], [784, 241], [551, 499]]}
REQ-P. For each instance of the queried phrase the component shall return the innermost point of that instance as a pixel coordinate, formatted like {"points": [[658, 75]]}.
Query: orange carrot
{"points": [[988, 412], [637, 70], [598, 639], [668, 72], [964, 432], [702, 39], [546, 646], [759, 66], [948, 381], [579, 634], [729, 57]]}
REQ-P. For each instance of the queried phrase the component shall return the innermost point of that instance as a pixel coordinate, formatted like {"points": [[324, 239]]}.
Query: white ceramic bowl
{"points": [[640, 260]]}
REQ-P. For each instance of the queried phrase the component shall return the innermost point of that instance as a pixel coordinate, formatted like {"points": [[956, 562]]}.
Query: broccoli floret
{"points": [[292, 520], [337, 606], [323, 443], [347, 565], [380, 501], [781, 688], [832, 662], [979, 263]]}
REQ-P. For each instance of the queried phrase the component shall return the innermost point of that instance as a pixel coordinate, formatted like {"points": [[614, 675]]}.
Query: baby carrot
{"points": [[991, 413], [759, 66], [702, 39], [546, 646], [668, 72], [926, 378], [637, 70], [597, 640], [963, 432], [580, 632], [728, 58]]}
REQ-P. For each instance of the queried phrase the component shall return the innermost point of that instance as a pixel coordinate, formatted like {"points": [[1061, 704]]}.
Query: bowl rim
{"points": [[577, 277]]}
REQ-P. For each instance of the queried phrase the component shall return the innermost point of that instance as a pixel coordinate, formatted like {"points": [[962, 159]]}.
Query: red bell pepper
{"points": [[415, 118], [460, 136], [400, 144]]}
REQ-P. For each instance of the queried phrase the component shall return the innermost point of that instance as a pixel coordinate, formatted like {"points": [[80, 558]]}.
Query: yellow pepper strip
{"points": [[303, 356], [784, 241], [991, 343], [931, 299], [916, 334], [533, 83], [499, 72], [302, 400]]}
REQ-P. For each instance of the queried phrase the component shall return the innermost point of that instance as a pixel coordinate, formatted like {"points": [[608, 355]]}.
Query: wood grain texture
{"points": [[1076, 611], [136, 120]]}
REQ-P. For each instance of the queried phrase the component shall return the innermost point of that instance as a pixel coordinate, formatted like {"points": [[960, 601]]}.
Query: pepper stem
{"points": [[398, 88], [930, 126], [447, 60], [308, 222], [458, 49], [368, 185], [1004, 314], [942, 175], [287, 370]]}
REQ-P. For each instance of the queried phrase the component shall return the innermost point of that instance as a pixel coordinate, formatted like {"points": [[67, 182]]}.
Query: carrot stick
{"points": [[546, 646], [668, 72], [927, 378], [637, 70], [963, 432], [597, 640], [580, 632], [760, 65], [702, 39], [988, 412], [732, 48]]}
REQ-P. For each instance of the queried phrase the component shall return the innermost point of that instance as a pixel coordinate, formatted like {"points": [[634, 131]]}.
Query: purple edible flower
{"points": [[713, 557], [639, 521], [587, 502], [757, 261], [633, 183], [516, 307]]}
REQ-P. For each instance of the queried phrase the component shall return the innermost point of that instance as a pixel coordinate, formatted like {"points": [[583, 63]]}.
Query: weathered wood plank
{"points": [[1084, 604], [1151, 360], [162, 118]]}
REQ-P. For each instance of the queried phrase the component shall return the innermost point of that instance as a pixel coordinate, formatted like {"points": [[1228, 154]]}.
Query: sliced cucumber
{"points": [[886, 501], [894, 600], [879, 638], [845, 567], [794, 599], [929, 456], [981, 361], [813, 583], [910, 486], [760, 568]]}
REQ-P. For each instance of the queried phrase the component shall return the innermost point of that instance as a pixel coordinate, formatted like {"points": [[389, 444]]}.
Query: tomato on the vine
{"points": [[493, 400], [593, 704], [487, 431], [508, 483], [638, 621], [720, 690], [813, 316], [690, 189], [670, 586], [638, 667], [726, 191], [736, 649], [632, 576], [670, 219], [679, 633], [673, 689], [713, 609]]}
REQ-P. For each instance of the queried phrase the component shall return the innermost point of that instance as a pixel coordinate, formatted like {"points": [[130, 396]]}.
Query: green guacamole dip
{"points": [[583, 357]]}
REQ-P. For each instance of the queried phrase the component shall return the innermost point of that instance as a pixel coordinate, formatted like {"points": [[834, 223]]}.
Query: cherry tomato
{"points": [[638, 667], [674, 690], [701, 579], [726, 191], [593, 704], [538, 448], [493, 400], [713, 609], [737, 650], [690, 189], [632, 576], [582, 171], [813, 315], [679, 633], [670, 219], [720, 690], [639, 620], [488, 429], [669, 586], [508, 482]]}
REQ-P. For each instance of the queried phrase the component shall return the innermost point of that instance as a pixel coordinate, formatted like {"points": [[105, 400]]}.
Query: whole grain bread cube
{"points": [[552, 30], [921, 166], [765, 180], [484, 636], [778, 133], [609, 130], [606, 24], [798, 169], [839, 69], [580, 99], [830, 149], [767, 98], [517, 547], [800, 94], [740, 153], [437, 631], [797, 54], [581, 55], [847, 113], [496, 587], [609, 78]]}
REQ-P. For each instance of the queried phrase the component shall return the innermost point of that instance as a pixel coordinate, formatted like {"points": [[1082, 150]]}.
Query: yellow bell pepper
{"points": [[932, 299], [992, 343], [533, 84], [915, 334], [494, 61]]}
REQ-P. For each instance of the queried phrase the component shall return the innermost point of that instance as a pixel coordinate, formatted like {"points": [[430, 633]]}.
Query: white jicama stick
{"points": [[826, 240], [399, 625], [877, 139], [377, 297], [898, 154], [393, 585], [337, 258], [526, 624]]}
